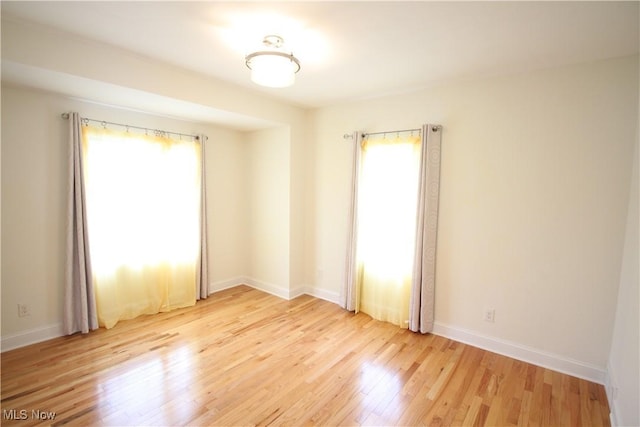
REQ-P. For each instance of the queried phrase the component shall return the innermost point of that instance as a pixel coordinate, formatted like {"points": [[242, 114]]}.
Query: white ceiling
{"points": [[355, 50]]}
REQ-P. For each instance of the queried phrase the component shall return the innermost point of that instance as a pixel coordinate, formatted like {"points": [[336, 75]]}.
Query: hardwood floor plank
{"points": [[472, 413], [243, 357]]}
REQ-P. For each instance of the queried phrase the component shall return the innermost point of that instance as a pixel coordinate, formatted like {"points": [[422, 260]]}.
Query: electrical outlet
{"points": [[23, 310], [490, 315]]}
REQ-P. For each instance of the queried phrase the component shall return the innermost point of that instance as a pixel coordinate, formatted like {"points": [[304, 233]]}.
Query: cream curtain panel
{"points": [[144, 219], [422, 301], [390, 265], [80, 313], [348, 297], [202, 276]]}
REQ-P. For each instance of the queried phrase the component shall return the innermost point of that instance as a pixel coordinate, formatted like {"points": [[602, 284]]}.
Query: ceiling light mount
{"points": [[272, 41], [273, 67]]}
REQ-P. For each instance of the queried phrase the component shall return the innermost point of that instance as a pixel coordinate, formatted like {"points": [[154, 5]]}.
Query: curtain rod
{"points": [[391, 131], [157, 132]]}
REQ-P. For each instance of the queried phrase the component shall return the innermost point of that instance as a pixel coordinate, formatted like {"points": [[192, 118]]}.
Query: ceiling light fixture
{"points": [[273, 67]]}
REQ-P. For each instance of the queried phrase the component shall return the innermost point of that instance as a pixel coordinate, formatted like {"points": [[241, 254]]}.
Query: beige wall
{"points": [[268, 172], [34, 163], [624, 359], [227, 205], [534, 188]]}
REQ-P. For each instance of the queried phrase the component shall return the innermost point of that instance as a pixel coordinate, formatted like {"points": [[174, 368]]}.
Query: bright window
{"points": [[387, 207], [143, 206]]}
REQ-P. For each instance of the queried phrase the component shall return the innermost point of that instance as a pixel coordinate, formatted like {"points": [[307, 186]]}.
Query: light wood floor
{"points": [[243, 357]]}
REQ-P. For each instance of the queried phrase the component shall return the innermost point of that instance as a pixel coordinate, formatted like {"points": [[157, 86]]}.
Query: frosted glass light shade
{"points": [[273, 69]]}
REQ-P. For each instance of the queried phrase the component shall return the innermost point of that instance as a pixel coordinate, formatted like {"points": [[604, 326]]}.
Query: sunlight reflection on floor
{"points": [[146, 384], [378, 385]]}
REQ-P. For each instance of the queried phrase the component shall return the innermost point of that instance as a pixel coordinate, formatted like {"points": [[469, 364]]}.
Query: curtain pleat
{"points": [[202, 276], [80, 314], [348, 298], [422, 302]]}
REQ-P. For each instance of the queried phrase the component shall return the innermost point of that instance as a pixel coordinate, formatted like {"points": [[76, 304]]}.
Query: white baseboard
{"points": [[330, 296], [31, 336], [295, 293], [612, 418], [611, 388], [521, 352], [225, 284], [269, 288], [276, 290]]}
